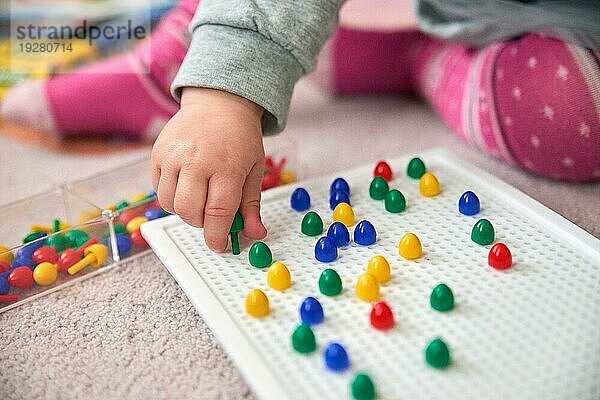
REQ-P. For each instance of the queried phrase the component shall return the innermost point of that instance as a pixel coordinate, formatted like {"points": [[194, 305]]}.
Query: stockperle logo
{"points": [[52, 37]]}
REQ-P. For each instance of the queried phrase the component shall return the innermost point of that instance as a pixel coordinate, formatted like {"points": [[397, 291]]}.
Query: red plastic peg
{"points": [[21, 277], [4, 266], [154, 204], [500, 257], [9, 298], [130, 214], [383, 170], [272, 172], [69, 257], [138, 240], [45, 254], [382, 317]]}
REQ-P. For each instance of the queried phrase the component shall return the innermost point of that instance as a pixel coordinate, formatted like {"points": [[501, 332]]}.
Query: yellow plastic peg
{"points": [[5, 255], [286, 177], [429, 185], [94, 255], [367, 287], [48, 229], [410, 246], [343, 213], [380, 268], [138, 197], [134, 224], [257, 303], [45, 274], [278, 276]]}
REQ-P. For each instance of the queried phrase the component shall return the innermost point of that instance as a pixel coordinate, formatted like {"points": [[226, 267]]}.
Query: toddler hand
{"points": [[208, 162]]}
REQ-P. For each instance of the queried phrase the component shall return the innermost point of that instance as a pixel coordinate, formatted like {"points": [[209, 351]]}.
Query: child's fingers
{"points": [[224, 195], [250, 204], [167, 185], [190, 197]]}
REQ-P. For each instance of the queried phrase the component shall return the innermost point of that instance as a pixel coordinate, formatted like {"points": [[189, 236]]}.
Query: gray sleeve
{"points": [[256, 49]]}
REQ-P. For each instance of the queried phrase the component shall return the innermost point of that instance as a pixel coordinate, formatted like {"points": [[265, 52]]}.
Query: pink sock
{"points": [[547, 102], [532, 101], [124, 95]]}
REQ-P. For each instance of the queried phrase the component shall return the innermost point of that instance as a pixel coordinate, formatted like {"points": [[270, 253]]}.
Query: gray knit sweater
{"points": [[258, 49]]}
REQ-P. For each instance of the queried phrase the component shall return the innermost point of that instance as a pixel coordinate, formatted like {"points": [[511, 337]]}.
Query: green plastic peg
{"points": [[119, 228], [122, 205], [260, 255], [483, 232], [57, 241], [75, 238], [303, 339], [437, 354], [312, 224], [56, 225], [236, 226], [416, 168], [330, 283], [362, 387], [32, 236], [441, 298], [379, 188], [395, 201]]}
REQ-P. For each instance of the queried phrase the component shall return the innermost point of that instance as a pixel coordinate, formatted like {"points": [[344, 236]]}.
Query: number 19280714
{"points": [[45, 47]]}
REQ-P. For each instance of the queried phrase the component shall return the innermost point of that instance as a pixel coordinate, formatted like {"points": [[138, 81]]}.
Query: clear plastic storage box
{"points": [[107, 209], [83, 223]]}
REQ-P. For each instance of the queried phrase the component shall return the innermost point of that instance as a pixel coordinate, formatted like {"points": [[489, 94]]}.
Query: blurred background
{"points": [[16, 66]]}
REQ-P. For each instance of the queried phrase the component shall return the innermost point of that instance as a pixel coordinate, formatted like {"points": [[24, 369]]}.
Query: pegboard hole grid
{"points": [[528, 332]]}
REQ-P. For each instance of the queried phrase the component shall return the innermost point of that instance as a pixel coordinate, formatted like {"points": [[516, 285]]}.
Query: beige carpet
{"points": [[131, 333]]}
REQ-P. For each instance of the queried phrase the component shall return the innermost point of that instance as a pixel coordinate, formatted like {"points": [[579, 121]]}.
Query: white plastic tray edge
{"points": [[211, 309]]}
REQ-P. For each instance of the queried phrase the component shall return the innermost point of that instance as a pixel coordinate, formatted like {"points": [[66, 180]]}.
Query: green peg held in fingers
{"points": [[236, 226]]}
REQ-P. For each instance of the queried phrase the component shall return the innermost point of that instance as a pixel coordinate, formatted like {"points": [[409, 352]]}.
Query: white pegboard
{"points": [[531, 332]]}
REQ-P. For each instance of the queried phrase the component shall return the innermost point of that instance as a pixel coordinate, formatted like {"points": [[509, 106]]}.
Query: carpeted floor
{"points": [[131, 333]]}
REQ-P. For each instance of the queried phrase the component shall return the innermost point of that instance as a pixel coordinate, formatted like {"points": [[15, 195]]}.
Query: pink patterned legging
{"points": [[532, 101]]}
